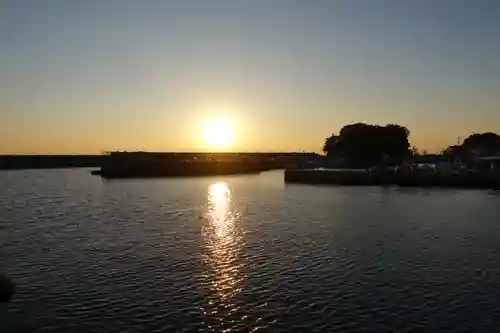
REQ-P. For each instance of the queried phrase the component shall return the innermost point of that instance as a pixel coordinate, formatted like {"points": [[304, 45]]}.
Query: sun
{"points": [[218, 133]]}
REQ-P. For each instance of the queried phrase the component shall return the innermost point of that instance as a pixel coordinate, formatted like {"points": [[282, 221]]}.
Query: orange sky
{"points": [[93, 76]]}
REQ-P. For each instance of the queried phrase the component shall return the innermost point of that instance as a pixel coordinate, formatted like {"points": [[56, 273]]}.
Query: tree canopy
{"points": [[486, 143], [475, 144], [363, 145]]}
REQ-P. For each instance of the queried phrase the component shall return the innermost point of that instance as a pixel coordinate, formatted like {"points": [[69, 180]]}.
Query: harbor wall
{"points": [[489, 180]]}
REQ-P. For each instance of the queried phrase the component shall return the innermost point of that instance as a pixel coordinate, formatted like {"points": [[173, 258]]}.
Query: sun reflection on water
{"points": [[223, 241]]}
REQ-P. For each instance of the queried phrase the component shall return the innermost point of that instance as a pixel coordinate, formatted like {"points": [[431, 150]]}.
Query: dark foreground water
{"points": [[245, 253]]}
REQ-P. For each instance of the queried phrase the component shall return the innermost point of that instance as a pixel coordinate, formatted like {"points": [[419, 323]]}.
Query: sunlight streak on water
{"points": [[223, 241]]}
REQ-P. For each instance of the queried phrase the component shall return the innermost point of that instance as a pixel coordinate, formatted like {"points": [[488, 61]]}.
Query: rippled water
{"points": [[245, 253]]}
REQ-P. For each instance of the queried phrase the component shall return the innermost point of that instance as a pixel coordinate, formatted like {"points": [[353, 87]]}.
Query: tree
{"points": [[362, 145], [330, 144], [483, 143], [473, 145]]}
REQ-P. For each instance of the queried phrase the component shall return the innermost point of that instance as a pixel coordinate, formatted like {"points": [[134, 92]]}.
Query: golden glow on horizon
{"points": [[218, 133]]}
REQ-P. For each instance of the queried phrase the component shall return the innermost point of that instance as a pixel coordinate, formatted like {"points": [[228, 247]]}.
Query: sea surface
{"points": [[245, 254]]}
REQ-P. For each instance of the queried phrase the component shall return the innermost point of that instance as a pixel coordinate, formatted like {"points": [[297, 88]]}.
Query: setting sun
{"points": [[218, 133]]}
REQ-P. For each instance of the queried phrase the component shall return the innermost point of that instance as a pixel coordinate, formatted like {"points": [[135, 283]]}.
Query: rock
{"points": [[7, 288]]}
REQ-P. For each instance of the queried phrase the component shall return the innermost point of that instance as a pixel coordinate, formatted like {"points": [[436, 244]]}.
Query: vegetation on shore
{"points": [[476, 144], [362, 145]]}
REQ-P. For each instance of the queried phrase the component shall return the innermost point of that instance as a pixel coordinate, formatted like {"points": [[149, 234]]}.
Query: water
{"points": [[245, 253]]}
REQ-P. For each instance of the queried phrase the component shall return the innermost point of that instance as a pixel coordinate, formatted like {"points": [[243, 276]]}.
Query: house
{"points": [[491, 162]]}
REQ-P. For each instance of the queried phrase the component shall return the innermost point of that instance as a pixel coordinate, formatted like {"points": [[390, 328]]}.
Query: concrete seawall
{"points": [[415, 179]]}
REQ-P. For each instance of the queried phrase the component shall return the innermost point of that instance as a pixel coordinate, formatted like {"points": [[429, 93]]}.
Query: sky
{"points": [[83, 77]]}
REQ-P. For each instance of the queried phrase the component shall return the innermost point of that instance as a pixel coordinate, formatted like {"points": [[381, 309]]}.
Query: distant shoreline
{"points": [[23, 162], [26, 162]]}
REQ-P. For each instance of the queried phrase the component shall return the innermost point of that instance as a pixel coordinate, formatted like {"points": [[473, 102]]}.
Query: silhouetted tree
{"points": [[330, 144], [484, 143], [362, 145], [475, 144]]}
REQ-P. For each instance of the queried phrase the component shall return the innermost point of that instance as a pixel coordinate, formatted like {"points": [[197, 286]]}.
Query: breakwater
{"points": [[146, 164], [17, 162], [119, 161], [490, 180]]}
